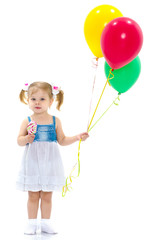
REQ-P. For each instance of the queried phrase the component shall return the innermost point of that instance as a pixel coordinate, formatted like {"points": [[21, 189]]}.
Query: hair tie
{"points": [[25, 87], [55, 91]]}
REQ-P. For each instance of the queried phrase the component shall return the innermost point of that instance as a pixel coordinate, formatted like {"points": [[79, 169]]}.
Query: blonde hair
{"points": [[44, 86]]}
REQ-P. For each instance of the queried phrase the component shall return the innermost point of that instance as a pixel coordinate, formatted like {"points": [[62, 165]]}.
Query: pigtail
{"points": [[23, 97], [59, 99]]}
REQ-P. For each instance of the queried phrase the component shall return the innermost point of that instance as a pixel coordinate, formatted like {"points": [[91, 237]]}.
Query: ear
{"points": [[51, 101]]}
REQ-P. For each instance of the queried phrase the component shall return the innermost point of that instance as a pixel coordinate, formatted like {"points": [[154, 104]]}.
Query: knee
{"points": [[34, 196], [46, 196]]}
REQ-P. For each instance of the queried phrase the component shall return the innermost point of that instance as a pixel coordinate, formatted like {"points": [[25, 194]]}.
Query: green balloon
{"points": [[124, 77]]}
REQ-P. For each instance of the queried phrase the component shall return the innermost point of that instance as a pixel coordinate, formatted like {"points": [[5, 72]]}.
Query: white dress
{"points": [[41, 167]]}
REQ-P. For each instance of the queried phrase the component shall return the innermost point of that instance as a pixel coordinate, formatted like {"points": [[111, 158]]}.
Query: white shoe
{"points": [[47, 226], [31, 227]]}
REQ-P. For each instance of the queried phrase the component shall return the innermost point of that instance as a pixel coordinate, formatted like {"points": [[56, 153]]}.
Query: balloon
{"points": [[95, 23], [121, 41], [124, 77]]}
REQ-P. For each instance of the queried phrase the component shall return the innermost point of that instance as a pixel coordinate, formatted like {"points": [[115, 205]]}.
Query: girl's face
{"points": [[39, 101]]}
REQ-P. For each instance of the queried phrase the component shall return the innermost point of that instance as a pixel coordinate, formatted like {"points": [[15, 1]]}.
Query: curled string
{"points": [[69, 180]]}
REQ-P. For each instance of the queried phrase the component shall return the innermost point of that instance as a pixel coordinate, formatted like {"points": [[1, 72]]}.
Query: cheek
{"points": [[30, 104], [44, 105]]}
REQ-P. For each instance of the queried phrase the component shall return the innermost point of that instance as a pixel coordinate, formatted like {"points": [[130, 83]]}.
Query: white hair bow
{"points": [[25, 87], [55, 90]]}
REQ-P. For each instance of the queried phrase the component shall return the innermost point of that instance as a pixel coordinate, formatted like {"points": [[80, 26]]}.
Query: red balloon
{"points": [[121, 41]]}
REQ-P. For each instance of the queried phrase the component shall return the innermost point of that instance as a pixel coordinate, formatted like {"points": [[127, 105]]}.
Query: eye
{"points": [[42, 99], [33, 99]]}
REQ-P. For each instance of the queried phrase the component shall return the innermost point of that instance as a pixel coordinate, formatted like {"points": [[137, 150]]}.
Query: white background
{"points": [[117, 195]]}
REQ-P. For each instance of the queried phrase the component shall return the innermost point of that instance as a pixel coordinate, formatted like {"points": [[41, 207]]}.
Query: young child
{"points": [[41, 170]]}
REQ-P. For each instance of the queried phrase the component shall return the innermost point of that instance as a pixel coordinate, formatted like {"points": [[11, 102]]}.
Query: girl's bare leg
{"points": [[33, 204], [46, 204]]}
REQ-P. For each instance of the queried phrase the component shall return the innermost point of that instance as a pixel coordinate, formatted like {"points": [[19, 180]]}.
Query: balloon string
{"points": [[95, 65], [114, 102], [108, 78], [69, 180]]}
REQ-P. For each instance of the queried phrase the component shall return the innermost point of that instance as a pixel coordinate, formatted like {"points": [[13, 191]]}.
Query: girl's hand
{"points": [[83, 136], [30, 138]]}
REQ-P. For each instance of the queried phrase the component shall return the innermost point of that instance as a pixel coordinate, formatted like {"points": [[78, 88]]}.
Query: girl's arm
{"points": [[23, 137], [63, 140]]}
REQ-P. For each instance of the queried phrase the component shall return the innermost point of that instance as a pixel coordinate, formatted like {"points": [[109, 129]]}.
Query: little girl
{"points": [[41, 169]]}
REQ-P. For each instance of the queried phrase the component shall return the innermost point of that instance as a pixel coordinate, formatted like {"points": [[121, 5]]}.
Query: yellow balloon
{"points": [[94, 24]]}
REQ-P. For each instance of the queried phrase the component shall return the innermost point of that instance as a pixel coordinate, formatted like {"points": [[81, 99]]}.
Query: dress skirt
{"points": [[41, 168]]}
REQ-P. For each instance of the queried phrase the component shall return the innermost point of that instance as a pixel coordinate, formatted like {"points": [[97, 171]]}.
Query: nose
{"points": [[37, 102]]}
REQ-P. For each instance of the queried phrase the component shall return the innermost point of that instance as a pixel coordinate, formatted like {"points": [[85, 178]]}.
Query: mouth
{"points": [[37, 107]]}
